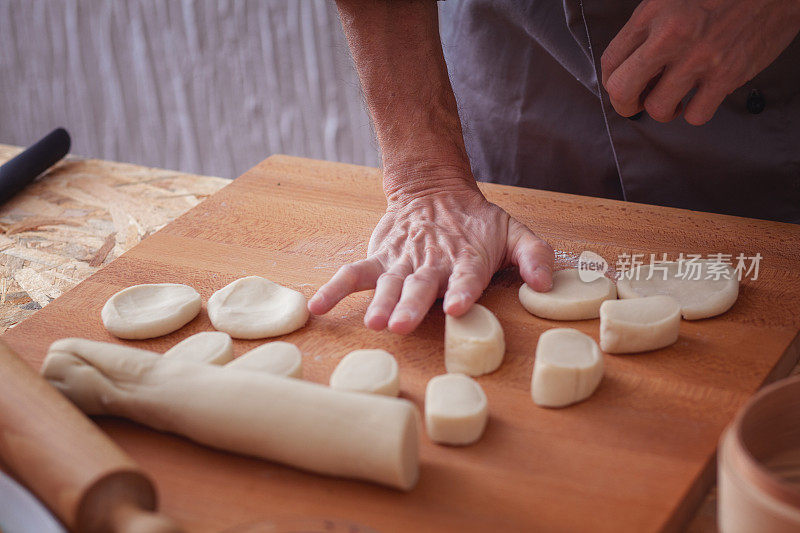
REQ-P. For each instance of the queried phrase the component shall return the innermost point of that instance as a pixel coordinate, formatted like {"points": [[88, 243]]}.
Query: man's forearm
{"points": [[398, 56]]}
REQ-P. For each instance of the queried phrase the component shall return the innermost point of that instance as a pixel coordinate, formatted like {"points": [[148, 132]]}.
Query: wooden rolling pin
{"points": [[74, 468]]}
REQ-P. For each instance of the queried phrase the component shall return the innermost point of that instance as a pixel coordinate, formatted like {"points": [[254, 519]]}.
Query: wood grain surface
{"points": [[638, 456]]}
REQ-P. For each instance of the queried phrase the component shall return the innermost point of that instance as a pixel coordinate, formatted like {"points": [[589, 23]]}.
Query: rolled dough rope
{"points": [[570, 298], [289, 421], [372, 371], [456, 409], [639, 324], [698, 298], [255, 308], [568, 368], [212, 347], [473, 342], [150, 310], [278, 358]]}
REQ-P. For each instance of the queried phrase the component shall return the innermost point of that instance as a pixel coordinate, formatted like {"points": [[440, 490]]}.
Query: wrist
{"points": [[413, 179]]}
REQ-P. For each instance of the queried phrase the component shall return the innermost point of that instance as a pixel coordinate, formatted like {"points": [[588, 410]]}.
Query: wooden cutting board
{"points": [[638, 456]]}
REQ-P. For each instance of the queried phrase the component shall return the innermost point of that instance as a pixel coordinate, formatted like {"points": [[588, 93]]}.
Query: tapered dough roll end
{"points": [[456, 409], [278, 358], [150, 310], [211, 347], [568, 368], [703, 288], [639, 324], [570, 298], [371, 371], [474, 342], [257, 308]]}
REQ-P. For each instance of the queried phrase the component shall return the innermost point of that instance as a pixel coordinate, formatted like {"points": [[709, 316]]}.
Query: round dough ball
{"points": [[150, 310], [568, 368], [278, 358], [456, 409], [373, 371], [639, 324], [255, 308], [211, 347], [698, 298], [473, 342], [570, 298]]}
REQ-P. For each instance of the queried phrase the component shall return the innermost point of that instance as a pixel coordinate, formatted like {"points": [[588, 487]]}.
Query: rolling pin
{"points": [[72, 466]]}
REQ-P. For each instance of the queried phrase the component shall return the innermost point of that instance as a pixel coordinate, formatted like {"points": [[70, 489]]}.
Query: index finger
{"points": [[354, 277]]}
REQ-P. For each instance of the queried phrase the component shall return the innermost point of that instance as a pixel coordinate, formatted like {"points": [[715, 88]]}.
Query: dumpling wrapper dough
{"points": [[570, 298], [371, 371], [639, 324], [698, 298], [211, 347], [278, 358], [290, 421], [256, 308], [474, 342], [568, 368], [150, 310], [456, 409]]}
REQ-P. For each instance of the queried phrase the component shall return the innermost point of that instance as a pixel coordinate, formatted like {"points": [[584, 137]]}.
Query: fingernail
{"points": [[403, 315], [453, 299], [544, 272]]}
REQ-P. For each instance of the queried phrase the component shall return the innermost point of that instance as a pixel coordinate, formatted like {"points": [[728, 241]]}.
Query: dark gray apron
{"points": [[526, 74]]}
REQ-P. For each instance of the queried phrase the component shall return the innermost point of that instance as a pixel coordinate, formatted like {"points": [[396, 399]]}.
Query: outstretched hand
{"points": [[447, 243], [670, 47]]}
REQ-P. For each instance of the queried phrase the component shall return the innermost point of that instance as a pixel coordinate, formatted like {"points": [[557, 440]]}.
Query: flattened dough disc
{"points": [[639, 324], [373, 371], [278, 358], [211, 347], [570, 298], [150, 310], [698, 298], [256, 308]]}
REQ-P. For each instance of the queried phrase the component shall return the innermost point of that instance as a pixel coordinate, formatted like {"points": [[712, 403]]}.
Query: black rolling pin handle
{"points": [[28, 165]]}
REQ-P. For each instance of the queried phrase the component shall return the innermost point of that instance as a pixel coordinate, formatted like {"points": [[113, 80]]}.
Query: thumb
{"points": [[532, 255]]}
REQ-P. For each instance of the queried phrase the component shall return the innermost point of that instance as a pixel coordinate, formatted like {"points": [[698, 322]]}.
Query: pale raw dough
{"points": [[212, 347], [639, 324], [255, 308], [568, 368], [373, 371], [278, 358], [456, 409], [570, 298], [473, 342], [290, 421], [150, 310], [698, 298]]}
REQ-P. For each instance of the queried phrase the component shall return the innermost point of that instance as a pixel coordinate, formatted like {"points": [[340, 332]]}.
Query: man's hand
{"points": [[447, 242], [669, 47]]}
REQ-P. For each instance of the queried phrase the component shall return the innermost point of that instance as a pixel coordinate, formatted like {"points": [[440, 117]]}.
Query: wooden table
{"points": [[85, 213]]}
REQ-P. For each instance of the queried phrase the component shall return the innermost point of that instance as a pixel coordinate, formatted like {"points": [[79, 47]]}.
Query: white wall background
{"points": [[205, 86]]}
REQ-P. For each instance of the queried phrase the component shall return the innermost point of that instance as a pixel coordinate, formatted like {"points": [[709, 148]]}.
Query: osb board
{"points": [[79, 215], [636, 457]]}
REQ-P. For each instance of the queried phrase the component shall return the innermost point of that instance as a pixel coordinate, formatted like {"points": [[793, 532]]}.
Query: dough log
{"points": [[289, 421]]}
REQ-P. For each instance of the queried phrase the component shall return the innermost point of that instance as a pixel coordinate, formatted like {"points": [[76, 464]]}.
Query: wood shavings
{"points": [[34, 223], [101, 254]]}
